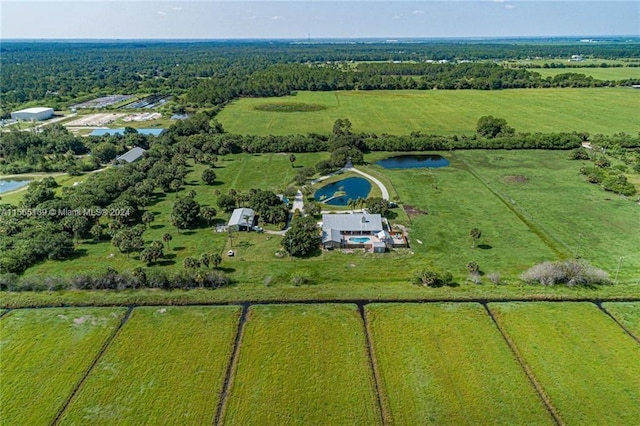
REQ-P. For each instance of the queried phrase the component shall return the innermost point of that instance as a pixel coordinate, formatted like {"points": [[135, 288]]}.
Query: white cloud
{"points": [[275, 18], [177, 9], [509, 6], [397, 17], [160, 12], [418, 12]]}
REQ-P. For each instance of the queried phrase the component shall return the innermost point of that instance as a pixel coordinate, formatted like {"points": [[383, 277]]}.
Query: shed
{"points": [[379, 247], [134, 154], [242, 219]]}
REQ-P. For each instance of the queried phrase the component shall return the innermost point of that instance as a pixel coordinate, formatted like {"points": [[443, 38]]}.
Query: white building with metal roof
{"points": [[134, 154], [33, 114], [242, 219]]}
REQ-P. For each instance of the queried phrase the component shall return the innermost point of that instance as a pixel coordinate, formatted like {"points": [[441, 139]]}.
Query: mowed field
{"points": [[302, 364], [447, 364], [435, 363], [613, 73], [628, 314], [44, 353], [586, 364], [166, 366], [602, 110]]}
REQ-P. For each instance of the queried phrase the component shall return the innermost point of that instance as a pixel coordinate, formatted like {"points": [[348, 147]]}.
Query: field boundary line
{"points": [[95, 362], [373, 365], [545, 237], [231, 366], [534, 299], [5, 312], [527, 370], [622, 326]]}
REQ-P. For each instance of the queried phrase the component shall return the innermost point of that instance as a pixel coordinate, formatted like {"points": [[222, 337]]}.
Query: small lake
{"points": [[7, 185], [413, 162], [350, 189]]}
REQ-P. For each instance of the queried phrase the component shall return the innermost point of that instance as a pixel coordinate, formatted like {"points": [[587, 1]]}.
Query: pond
{"points": [[339, 193], [7, 185], [413, 162]]}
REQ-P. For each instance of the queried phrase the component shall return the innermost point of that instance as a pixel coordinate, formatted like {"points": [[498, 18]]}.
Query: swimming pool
{"points": [[360, 240]]}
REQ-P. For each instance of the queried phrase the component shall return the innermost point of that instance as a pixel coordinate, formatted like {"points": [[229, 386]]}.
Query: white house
{"points": [[242, 219]]}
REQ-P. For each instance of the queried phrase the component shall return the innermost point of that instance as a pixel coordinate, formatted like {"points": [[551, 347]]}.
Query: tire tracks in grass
{"points": [[231, 366], [558, 247], [373, 365], [622, 326], [96, 360], [525, 367]]}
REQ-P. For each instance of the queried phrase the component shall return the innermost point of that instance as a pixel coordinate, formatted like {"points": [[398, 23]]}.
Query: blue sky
{"points": [[322, 19]]}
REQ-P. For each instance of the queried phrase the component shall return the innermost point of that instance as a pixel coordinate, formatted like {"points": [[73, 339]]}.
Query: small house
{"points": [[242, 219], [134, 154]]}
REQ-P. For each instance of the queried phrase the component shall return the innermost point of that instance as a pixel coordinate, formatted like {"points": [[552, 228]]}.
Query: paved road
{"points": [[298, 202]]}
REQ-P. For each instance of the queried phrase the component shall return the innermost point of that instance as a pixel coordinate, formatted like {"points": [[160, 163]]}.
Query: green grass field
{"points": [[448, 364], [587, 365], [627, 313], [44, 354], [560, 214], [620, 73], [166, 366], [605, 110], [302, 364]]}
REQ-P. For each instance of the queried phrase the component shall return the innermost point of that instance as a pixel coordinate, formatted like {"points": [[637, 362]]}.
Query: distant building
{"points": [[134, 154], [33, 114], [242, 219]]}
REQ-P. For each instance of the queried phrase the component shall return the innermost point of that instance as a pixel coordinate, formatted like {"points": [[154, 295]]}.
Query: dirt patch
{"points": [[516, 179], [289, 107], [413, 211]]}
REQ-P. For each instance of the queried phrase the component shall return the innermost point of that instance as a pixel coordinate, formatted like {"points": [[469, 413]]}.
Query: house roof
{"points": [[132, 155], [237, 217], [352, 222], [379, 244], [331, 235]]}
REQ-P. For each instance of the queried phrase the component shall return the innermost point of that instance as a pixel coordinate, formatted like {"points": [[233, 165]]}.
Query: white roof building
{"points": [[242, 219], [31, 114]]}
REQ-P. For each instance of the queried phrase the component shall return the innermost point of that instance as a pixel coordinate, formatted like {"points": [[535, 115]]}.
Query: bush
{"points": [[299, 278], [569, 272], [433, 279]]}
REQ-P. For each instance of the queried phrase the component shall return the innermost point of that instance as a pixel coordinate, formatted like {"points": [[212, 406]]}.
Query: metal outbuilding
{"points": [[33, 114]]}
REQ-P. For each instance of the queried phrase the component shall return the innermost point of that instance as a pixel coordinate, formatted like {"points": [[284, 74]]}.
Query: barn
{"points": [[33, 114]]}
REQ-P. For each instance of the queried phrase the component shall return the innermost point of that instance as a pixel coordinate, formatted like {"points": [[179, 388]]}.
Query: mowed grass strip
{"points": [[44, 354], [448, 364], [586, 364], [302, 364], [628, 314], [166, 366], [598, 110]]}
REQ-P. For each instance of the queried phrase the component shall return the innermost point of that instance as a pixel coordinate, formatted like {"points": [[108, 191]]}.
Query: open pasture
{"points": [[586, 364], [44, 353], [628, 314], [613, 73], [448, 364], [302, 364], [603, 110], [579, 218], [166, 366]]}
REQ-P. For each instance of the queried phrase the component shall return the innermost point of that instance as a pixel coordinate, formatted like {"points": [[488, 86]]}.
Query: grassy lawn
{"points": [[628, 314], [166, 366], [622, 73], [587, 365], [303, 364], [604, 110], [579, 217], [448, 364], [44, 354]]}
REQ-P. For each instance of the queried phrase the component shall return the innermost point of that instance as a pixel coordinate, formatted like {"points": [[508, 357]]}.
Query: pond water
{"points": [[413, 162], [348, 189], [7, 185]]}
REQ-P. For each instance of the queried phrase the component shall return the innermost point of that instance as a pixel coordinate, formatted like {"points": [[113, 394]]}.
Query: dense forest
{"points": [[69, 72]]}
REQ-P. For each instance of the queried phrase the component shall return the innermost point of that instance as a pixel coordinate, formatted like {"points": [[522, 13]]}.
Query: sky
{"points": [[292, 19]]}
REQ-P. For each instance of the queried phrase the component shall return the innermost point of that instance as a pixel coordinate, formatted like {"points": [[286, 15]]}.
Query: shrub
{"points": [[433, 279], [569, 272], [579, 154], [494, 277], [299, 278]]}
